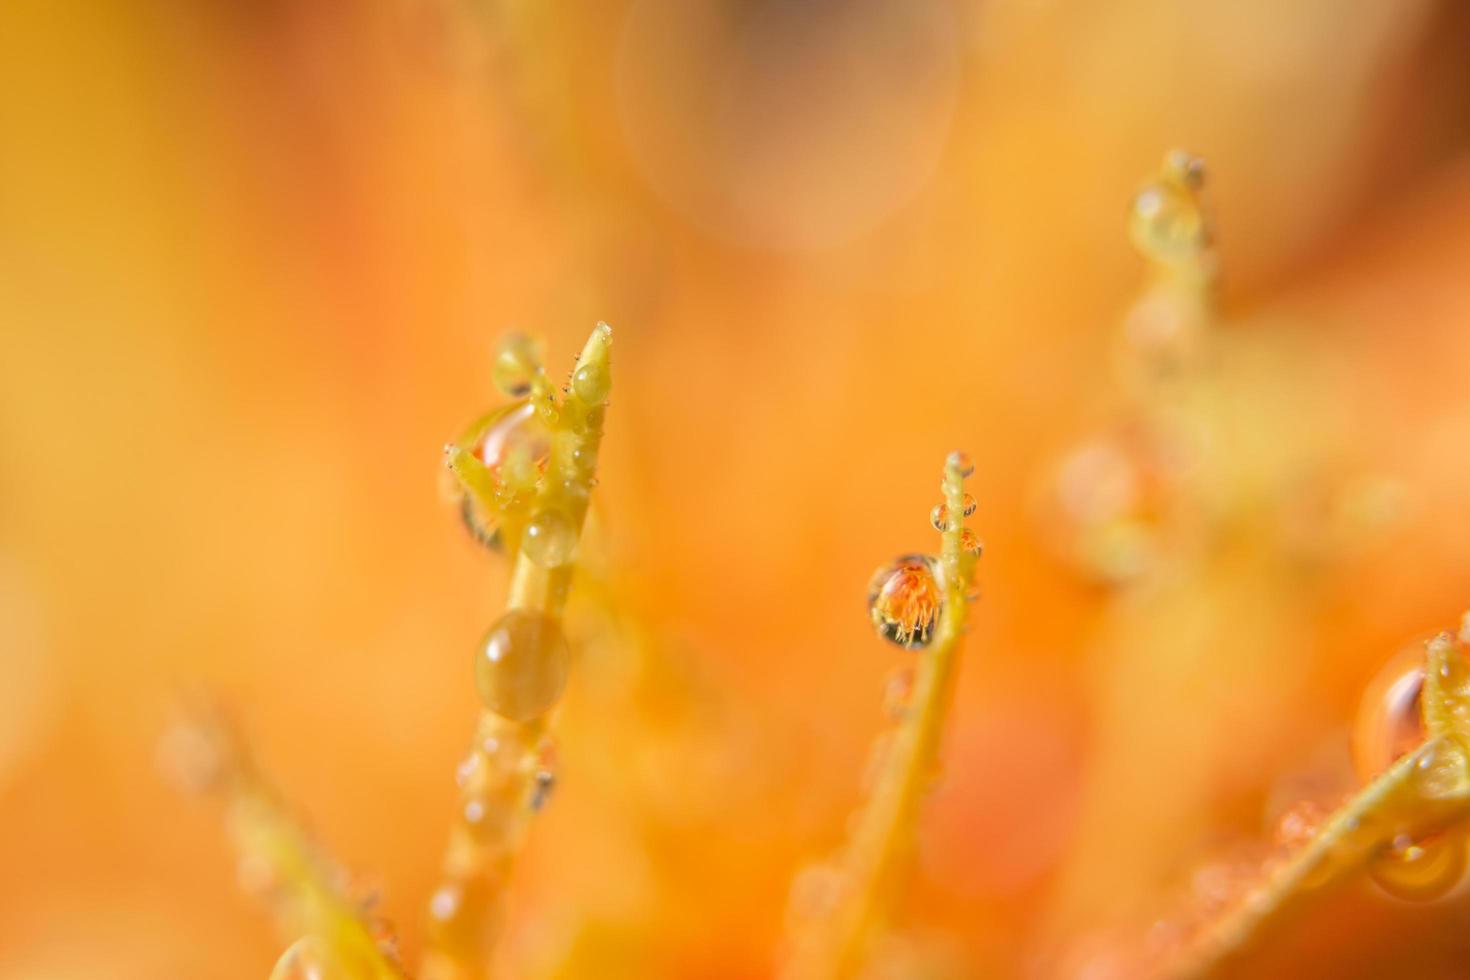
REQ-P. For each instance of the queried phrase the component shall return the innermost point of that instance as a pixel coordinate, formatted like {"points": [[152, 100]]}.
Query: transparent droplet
{"points": [[521, 666], [1185, 167], [939, 516], [904, 600], [309, 958], [1421, 871], [960, 462], [550, 539], [513, 443], [1166, 223], [517, 362], [1389, 723], [970, 542], [590, 382]]}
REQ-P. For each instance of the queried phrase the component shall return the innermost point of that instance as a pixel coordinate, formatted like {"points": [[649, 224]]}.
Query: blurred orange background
{"points": [[254, 259]]}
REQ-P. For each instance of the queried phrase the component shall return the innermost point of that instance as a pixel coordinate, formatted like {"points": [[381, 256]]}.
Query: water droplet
{"points": [[1185, 167], [521, 666], [960, 462], [591, 383], [969, 542], [1166, 223], [550, 539], [517, 362], [309, 958], [904, 600], [1421, 871], [939, 516], [1389, 722], [514, 444]]}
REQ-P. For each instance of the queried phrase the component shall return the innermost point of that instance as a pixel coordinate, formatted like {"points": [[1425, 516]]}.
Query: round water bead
{"points": [[939, 516], [970, 542], [309, 958], [1185, 167], [497, 435], [591, 383], [513, 434], [550, 539], [1389, 722], [517, 362], [960, 462], [905, 599], [1165, 221], [521, 665], [1421, 871]]}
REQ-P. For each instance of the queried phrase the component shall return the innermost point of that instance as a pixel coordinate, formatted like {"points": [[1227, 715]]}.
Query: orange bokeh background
{"points": [[254, 259]]}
